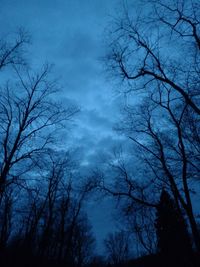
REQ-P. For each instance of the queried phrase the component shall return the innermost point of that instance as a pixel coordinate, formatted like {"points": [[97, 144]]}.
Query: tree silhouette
{"points": [[118, 247], [161, 108], [173, 241]]}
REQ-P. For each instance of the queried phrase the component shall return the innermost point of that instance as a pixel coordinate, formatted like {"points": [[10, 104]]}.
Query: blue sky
{"points": [[71, 35]]}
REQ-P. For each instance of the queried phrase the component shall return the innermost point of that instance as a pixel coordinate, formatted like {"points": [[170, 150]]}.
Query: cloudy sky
{"points": [[70, 34]]}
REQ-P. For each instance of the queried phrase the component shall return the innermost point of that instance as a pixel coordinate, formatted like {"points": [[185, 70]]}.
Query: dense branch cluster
{"points": [[156, 56]]}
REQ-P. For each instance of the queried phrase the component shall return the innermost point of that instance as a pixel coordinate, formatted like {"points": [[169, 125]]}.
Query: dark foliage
{"points": [[174, 244]]}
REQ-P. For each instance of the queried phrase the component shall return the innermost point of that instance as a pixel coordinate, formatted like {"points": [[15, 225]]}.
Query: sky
{"points": [[70, 34]]}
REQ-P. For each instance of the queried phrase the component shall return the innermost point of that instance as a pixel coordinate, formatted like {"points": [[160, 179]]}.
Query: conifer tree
{"points": [[173, 242]]}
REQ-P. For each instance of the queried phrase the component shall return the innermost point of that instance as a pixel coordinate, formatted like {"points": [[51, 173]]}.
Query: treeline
{"points": [[173, 247], [46, 226]]}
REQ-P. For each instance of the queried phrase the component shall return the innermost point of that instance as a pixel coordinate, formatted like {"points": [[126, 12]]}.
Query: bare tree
{"points": [[117, 247], [136, 198], [83, 243], [172, 155], [145, 52], [52, 225], [141, 224], [11, 52], [29, 120], [6, 219]]}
